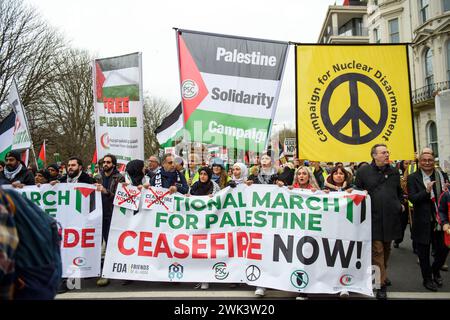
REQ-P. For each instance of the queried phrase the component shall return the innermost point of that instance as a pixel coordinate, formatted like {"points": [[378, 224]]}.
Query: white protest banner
{"points": [[21, 136], [262, 235], [119, 107], [78, 208], [127, 196]]}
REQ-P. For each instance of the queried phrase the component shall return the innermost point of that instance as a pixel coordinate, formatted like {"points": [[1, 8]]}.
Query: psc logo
{"points": [[79, 261], [346, 280], [220, 271], [189, 89]]}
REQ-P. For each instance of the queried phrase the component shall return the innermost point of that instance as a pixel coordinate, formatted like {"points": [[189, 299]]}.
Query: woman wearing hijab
{"points": [[239, 175], [204, 187], [135, 174], [267, 174]]}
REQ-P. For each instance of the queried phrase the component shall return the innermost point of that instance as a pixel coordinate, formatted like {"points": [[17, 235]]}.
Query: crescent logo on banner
{"points": [[229, 87], [350, 98]]}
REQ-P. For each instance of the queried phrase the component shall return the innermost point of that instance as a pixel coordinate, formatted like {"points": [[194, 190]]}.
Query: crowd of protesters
{"points": [[412, 191]]}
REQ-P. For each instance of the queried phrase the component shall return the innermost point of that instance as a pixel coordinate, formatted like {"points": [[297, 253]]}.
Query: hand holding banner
{"points": [[127, 196]]}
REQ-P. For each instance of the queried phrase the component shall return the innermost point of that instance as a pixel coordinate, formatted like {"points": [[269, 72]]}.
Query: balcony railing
{"points": [[428, 92]]}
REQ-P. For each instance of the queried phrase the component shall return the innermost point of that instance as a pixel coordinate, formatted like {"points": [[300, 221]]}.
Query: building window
{"points": [[446, 5], [352, 28], [432, 137], [376, 36], [394, 34], [429, 78], [423, 7]]}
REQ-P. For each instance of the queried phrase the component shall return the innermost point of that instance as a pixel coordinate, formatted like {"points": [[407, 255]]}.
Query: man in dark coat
{"points": [[168, 177], [15, 171], [425, 186], [107, 182], [383, 185]]}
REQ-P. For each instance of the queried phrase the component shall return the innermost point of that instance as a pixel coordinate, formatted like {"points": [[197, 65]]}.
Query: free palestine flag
{"points": [[118, 97], [230, 87], [171, 128], [42, 158], [6, 134]]}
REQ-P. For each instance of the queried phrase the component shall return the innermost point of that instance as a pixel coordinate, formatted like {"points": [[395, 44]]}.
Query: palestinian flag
{"points": [[117, 77], [42, 158], [6, 134], [171, 128], [230, 87]]}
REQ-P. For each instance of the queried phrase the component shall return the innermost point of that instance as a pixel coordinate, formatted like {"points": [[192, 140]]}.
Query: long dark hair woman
{"points": [[339, 180]]}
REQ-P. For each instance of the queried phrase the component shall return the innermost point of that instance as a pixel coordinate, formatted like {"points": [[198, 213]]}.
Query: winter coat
{"points": [[386, 196], [424, 209], [24, 176], [108, 198]]}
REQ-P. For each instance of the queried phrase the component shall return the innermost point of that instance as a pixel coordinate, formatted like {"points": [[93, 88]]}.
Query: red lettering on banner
{"points": [[122, 249], [143, 243], [177, 243], [196, 246], [75, 241], [254, 245], [85, 238], [241, 246], [230, 245], [162, 246], [117, 105], [216, 246]]}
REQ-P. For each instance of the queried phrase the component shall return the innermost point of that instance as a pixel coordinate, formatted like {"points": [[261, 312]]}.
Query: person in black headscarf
{"points": [[204, 186], [134, 173]]}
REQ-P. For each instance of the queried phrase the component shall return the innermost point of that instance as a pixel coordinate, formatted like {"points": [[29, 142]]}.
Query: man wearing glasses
{"points": [[382, 182], [168, 177], [425, 186], [154, 163], [108, 179]]}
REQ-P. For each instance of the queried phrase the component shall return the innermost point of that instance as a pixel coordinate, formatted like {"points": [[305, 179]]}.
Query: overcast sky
{"points": [[112, 27]]}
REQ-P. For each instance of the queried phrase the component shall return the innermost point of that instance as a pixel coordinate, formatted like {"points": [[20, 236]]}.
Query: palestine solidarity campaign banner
{"points": [[78, 208], [230, 88], [261, 235], [119, 110]]}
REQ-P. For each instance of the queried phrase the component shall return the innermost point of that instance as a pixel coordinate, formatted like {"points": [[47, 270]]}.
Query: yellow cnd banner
{"points": [[351, 97]]}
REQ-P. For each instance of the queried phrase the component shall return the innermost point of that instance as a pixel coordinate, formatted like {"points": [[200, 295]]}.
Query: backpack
{"points": [[38, 255]]}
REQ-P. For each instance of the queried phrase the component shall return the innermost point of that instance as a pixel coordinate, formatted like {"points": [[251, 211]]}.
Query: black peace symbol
{"points": [[355, 112], [253, 273]]}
